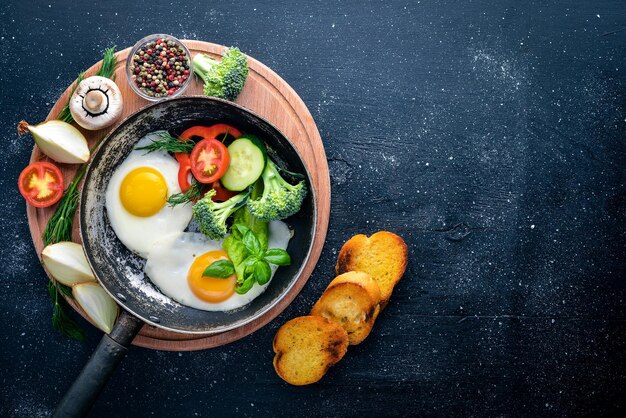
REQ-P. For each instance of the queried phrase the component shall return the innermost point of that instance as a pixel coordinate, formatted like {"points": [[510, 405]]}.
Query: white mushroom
{"points": [[96, 103]]}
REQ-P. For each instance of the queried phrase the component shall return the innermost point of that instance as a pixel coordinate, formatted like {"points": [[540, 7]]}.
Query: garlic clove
{"points": [[67, 263], [97, 304], [58, 140]]}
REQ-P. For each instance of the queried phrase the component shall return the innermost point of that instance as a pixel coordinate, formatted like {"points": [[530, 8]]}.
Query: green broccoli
{"points": [[279, 199], [211, 216], [224, 79]]}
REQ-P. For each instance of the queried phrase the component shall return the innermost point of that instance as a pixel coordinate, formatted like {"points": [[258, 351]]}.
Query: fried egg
{"points": [[176, 262], [136, 198]]}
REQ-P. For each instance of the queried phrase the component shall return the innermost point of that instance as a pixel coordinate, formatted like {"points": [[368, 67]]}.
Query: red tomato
{"points": [[217, 131], [209, 160], [222, 194], [41, 184], [211, 132]]}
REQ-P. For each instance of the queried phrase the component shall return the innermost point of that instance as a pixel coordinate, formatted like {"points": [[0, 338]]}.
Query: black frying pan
{"points": [[117, 269]]}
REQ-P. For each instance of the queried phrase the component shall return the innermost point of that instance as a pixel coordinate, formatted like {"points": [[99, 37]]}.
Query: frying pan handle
{"points": [[110, 351]]}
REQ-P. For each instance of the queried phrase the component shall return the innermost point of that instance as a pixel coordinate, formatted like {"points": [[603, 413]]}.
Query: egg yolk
{"points": [[143, 191], [210, 289]]}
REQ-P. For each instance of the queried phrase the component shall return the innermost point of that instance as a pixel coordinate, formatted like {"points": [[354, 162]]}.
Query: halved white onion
{"points": [[67, 263], [97, 303], [58, 140]]}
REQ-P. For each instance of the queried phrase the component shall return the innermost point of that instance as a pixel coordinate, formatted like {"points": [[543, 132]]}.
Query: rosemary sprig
{"points": [[107, 69], [59, 227], [169, 143], [195, 192]]}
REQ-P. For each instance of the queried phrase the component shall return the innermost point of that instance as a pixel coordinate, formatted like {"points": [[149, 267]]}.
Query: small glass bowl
{"points": [[130, 74]]}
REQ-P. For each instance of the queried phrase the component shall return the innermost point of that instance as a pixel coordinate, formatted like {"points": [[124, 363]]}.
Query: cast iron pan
{"points": [[118, 269]]}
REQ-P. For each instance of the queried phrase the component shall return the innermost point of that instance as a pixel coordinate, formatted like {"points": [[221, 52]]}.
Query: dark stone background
{"points": [[490, 135]]}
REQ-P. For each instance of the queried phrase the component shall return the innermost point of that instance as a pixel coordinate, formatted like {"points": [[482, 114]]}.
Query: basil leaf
{"points": [[240, 229], [220, 269], [278, 257], [252, 243], [249, 262], [246, 285], [262, 272], [237, 252]]}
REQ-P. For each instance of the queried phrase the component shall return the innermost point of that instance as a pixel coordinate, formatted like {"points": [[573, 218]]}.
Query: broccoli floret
{"points": [[279, 199], [224, 78], [211, 216]]}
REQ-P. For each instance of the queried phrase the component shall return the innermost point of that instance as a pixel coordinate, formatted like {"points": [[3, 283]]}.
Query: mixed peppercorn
{"points": [[159, 68]]}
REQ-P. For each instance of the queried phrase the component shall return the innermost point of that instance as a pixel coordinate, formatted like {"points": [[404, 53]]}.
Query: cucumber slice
{"points": [[247, 161]]}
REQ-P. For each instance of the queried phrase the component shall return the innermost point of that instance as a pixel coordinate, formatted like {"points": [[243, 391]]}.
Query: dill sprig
{"points": [[66, 115], [195, 192], [109, 61], [61, 320], [107, 69], [169, 143], [59, 227]]}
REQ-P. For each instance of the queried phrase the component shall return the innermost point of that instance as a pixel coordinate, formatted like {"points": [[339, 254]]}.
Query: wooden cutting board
{"points": [[272, 98]]}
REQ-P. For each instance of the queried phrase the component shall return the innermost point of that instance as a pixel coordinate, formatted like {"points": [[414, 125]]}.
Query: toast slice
{"points": [[306, 347], [384, 256], [351, 300]]}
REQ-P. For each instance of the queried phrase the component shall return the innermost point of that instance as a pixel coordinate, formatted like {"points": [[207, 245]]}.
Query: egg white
{"points": [[139, 233], [172, 255]]}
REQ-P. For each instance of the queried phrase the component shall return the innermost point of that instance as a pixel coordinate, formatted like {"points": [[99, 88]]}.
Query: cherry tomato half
{"points": [[41, 184], [222, 194], [209, 160], [217, 131]]}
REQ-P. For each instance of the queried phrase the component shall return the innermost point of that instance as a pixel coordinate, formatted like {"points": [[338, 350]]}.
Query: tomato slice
{"points": [[41, 184], [209, 160], [183, 171], [222, 194], [211, 132], [212, 160]]}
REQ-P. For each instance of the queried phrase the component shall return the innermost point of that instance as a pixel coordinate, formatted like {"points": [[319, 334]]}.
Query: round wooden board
{"points": [[269, 96]]}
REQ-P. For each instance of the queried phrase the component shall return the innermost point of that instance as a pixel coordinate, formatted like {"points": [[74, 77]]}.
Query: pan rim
{"points": [[240, 323]]}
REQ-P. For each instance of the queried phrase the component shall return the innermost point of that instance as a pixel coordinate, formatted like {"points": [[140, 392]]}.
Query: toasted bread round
{"points": [[384, 256], [306, 347], [352, 300]]}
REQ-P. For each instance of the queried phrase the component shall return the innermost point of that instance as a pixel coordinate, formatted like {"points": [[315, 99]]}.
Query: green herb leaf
{"points": [[240, 229], [61, 321], [65, 115], [220, 269], [250, 261], [169, 143], [252, 243], [246, 285], [195, 191], [262, 272], [278, 257], [109, 61]]}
